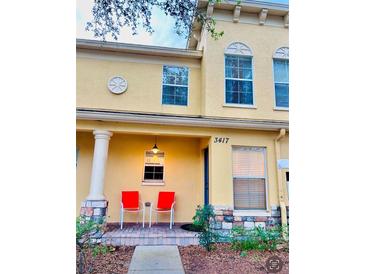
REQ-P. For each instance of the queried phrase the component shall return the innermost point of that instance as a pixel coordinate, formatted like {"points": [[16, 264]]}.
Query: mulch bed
{"points": [[225, 260], [115, 262]]}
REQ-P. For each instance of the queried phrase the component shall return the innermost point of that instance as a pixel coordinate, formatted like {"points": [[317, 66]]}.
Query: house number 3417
{"points": [[221, 140]]}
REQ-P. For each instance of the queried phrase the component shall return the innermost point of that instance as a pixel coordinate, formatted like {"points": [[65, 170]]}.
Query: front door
{"points": [[206, 176]]}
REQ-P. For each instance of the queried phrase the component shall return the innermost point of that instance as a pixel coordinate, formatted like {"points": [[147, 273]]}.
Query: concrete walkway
{"points": [[156, 259]]}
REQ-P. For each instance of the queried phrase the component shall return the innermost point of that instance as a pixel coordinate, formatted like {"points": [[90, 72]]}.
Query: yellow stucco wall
{"points": [[182, 145], [206, 77], [263, 41], [124, 171], [144, 76]]}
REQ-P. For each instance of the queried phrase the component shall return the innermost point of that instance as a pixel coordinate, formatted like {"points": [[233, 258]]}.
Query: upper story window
{"points": [[175, 85], [238, 74], [281, 77]]}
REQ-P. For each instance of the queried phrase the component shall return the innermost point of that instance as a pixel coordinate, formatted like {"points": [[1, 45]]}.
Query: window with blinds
{"points": [[154, 166], [249, 178]]}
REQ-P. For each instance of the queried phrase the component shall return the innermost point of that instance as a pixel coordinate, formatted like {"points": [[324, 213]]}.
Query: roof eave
{"points": [[175, 120], [136, 49]]}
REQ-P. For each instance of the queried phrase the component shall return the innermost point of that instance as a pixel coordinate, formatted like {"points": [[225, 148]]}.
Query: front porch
{"points": [[127, 164], [159, 234]]}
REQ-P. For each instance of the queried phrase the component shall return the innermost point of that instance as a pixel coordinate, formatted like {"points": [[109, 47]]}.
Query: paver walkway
{"points": [[156, 259]]}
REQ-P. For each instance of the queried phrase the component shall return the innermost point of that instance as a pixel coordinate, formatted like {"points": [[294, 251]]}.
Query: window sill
{"points": [[239, 106], [173, 105], [153, 183], [281, 108], [249, 213]]}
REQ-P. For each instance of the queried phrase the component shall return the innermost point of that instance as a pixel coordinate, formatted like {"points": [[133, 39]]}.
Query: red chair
{"points": [[131, 203], [165, 203]]}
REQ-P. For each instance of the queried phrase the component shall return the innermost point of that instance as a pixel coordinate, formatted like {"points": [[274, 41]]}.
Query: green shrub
{"points": [[207, 236], [87, 231], [258, 238]]}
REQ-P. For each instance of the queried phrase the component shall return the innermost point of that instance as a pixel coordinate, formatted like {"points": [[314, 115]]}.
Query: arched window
{"points": [[238, 75], [281, 77]]}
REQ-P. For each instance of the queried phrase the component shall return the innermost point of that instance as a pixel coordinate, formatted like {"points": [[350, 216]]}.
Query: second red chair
{"points": [[165, 204]]}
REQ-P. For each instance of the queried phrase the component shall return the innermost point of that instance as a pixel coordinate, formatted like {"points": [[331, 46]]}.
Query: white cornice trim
{"points": [[247, 3], [236, 14], [210, 9], [286, 20], [137, 49], [263, 4], [263, 16], [194, 121]]}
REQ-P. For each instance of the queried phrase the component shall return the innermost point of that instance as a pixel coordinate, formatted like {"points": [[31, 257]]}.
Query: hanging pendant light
{"points": [[155, 148]]}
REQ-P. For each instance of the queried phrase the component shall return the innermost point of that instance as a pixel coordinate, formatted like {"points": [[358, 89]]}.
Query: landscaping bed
{"points": [[115, 262], [225, 260]]}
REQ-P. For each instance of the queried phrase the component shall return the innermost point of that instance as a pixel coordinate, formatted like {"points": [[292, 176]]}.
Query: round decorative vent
{"points": [[117, 85]]}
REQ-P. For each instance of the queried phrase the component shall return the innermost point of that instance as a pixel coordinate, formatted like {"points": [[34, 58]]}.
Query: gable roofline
{"points": [[118, 47]]}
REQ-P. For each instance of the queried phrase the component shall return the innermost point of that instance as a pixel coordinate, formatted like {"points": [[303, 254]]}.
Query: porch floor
{"points": [[158, 234]]}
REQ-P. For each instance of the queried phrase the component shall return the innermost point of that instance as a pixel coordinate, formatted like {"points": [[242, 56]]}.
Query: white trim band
{"points": [[197, 121]]}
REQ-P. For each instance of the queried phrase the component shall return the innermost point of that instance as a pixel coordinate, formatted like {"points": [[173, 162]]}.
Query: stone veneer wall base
{"points": [[224, 220]]}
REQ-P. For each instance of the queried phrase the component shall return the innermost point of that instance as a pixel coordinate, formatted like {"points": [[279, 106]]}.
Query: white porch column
{"points": [[102, 138]]}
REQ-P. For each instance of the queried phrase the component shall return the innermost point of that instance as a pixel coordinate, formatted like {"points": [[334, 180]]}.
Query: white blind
{"points": [[154, 159], [248, 162], [249, 178]]}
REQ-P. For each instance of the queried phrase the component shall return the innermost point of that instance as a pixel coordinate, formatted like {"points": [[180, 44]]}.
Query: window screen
{"points": [[249, 178]]}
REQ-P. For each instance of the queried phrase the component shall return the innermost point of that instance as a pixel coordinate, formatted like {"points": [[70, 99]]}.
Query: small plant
{"points": [[102, 249], [257, 238], [202, 218], [87, 231]]}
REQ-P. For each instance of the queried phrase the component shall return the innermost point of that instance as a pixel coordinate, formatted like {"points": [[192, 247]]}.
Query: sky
{"points": [[163, 26]]}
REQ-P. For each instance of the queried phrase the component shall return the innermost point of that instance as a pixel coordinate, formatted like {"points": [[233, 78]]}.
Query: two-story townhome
{"points": [[216, 114]]}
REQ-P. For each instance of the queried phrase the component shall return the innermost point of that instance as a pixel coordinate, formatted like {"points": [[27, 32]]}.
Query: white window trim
{"points": [[152, 182], [281, 108], [252, 80], [253, 211], [188, 91], [239, 106], [275, 56]]}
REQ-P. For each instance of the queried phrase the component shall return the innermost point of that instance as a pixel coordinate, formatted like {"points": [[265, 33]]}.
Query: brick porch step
{"points": [[132, 235]]}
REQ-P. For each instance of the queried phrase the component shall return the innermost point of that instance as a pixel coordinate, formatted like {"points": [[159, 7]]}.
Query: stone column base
{"points": [[94, 210]]}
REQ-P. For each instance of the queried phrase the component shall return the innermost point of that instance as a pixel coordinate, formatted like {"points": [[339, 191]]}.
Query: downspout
{"points": [[279, 177]]}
